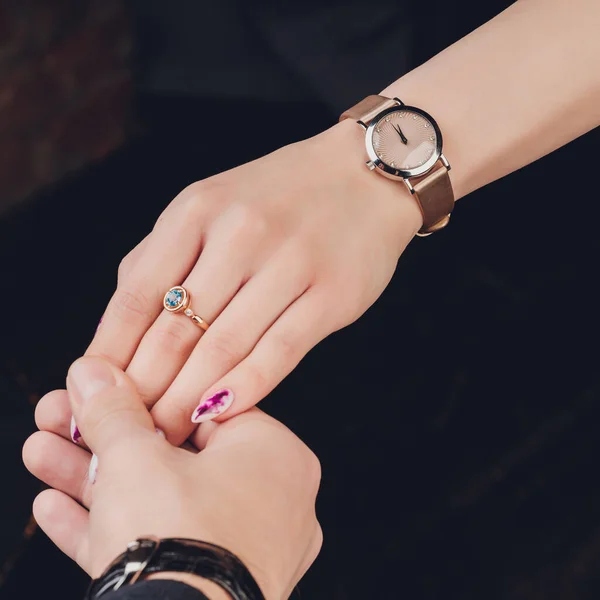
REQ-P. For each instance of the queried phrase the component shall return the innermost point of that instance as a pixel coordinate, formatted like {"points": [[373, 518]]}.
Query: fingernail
{"points": [[88, 377], [99, 322], [215, 405], [75, 434], [161, 433], [93, 470]]}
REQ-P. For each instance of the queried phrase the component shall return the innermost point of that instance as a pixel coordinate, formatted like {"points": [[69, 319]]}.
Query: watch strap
{"points": [[159, 589], [435, 197], [366, 110], [147, 556]]}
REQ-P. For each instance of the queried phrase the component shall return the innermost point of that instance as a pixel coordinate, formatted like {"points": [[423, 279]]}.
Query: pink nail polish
{"points": [[213, 406], [75, 434]]}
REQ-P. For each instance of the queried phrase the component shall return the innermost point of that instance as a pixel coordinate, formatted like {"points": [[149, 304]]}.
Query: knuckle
{"points": [[198, 197], [258, 381], [312, 466], [286, 347], [181, 198], [164, 215], [147, 393], [212, 186], [195, 210], [221, 347], [104, 413], [130, 305], [247, 220], [301, 255], [317, 541], [176, 334], [301, 248], [304, 467], [125, 266]]}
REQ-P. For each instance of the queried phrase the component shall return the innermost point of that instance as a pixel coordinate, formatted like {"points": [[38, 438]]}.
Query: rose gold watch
{"points": [[405, 143]]}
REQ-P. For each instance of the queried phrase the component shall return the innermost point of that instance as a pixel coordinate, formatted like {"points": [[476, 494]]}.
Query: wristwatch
{"points": [[151, 555], [405, 143]]}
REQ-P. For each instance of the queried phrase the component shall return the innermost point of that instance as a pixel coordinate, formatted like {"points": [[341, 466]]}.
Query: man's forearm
{"points": [[520, 86]]}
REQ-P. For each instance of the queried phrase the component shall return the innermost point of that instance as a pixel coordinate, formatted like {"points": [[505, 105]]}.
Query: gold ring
{"points": [[177, 299]]}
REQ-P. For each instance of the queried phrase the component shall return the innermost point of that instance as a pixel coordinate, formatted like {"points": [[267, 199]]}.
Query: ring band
{"points": [[178, 299]]}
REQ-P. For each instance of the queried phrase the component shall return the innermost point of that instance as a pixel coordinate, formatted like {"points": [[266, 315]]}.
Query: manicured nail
{"points": [[215, 405], [89, 376], [161, 433], [75, 434], [93, 470], [99, 322]]}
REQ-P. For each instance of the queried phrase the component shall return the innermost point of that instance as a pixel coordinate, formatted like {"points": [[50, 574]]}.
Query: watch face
{"points": [[406, 140]]}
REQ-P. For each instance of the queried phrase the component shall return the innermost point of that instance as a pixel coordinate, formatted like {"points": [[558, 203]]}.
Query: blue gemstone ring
{"points": [[177, 300]]}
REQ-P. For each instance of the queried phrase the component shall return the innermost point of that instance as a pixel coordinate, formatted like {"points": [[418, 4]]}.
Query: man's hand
{"points": [[253, 480]]}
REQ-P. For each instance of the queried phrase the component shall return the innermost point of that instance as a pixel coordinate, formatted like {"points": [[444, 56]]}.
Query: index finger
{"points": [[167, 256]]}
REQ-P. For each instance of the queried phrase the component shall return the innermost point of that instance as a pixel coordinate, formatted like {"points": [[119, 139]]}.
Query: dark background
{"points": [[457, 420]]}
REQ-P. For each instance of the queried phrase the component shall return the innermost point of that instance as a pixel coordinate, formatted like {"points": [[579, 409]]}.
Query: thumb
{"points": [[105, 404]]}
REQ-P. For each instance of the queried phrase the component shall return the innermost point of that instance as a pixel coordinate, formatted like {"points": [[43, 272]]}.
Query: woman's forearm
{"points": [[517, 88]]}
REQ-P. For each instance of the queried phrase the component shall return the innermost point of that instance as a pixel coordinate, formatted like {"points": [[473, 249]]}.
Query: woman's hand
{"points": [[251, 489], [276, 255]]}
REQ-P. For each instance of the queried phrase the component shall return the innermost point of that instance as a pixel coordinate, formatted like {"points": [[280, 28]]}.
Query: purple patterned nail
{"points": [[211, 407], [93, 470], [75, 434]]}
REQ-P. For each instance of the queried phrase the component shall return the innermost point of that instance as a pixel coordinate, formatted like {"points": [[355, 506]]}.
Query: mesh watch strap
{"points": [[432, 191]]}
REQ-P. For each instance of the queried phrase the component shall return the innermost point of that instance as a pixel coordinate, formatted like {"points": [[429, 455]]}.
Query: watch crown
{"points": [[370, 165]]}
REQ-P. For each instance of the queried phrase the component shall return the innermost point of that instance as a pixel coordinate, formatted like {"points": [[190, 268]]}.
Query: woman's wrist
{"points": [[343, 152], [497, 116]]}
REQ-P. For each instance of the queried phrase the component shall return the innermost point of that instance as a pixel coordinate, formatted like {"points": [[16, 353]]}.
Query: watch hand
{"points": [[399, 132], [402, 136]]}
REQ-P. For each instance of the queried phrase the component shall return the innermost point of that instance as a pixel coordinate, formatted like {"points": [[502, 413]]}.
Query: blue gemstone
{"points": [[174, 298]]}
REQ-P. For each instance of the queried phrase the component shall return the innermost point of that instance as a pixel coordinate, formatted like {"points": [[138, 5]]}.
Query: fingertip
{"points": [[215, 404], [200, 437], [174, 421], [65, 522], [26, 452], [33, 452], [54, 460], [95, 364], [53, 411], [106, 406], [44, 504]]}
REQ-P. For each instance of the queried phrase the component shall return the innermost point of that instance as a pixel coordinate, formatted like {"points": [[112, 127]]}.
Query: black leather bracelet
{"points": [[157, 589], [151, 555]]}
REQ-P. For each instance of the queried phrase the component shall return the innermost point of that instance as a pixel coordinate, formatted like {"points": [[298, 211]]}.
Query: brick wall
{"points": [[64, 89]]}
